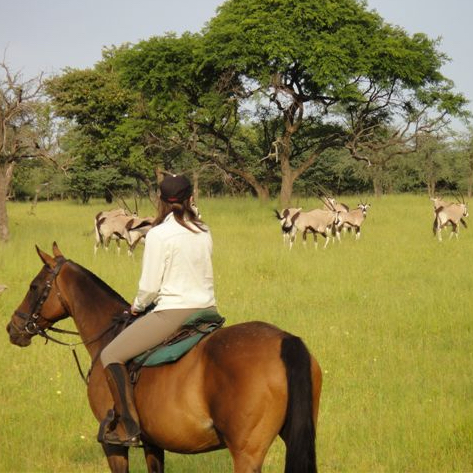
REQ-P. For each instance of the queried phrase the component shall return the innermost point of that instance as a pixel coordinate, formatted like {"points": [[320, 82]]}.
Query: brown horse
{"points": [[238, 388]]}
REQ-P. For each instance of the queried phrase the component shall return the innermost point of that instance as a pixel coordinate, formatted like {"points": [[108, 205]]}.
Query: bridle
{"points": [[32, 326], [32, 320]]}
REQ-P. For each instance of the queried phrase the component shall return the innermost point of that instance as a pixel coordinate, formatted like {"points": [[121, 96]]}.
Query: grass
{"points": [[388, 318]]}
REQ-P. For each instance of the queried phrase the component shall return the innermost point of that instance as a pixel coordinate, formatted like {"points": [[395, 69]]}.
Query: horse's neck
{"points": [[93, 308]]}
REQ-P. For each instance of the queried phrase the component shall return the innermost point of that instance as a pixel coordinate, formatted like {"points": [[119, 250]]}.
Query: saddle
{"points": [[197, 326]]}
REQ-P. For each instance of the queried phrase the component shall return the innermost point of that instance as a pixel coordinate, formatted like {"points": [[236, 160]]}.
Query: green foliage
{"points": [[92, 98], [261, 93], [33, 176]]}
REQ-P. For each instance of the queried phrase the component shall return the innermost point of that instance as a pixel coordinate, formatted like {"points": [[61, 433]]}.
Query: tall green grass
{"points": [[388, 317]]}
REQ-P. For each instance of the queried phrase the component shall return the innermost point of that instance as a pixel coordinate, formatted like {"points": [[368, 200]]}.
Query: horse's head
{"points": [[42, 305]]}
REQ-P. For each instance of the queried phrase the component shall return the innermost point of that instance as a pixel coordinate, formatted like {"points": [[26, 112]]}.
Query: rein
{"points": [[73, 346], [31, 322]]}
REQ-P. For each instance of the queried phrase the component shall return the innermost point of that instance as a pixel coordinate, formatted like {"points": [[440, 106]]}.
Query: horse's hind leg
{"points": [[117, 457], [154, 458], [245, 463], [248, 448]]}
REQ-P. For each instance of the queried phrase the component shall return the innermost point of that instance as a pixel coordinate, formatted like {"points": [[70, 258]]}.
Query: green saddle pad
{"points": [[198, 325]]}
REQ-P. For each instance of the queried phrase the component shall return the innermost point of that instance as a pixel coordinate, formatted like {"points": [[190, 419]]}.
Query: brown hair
{"points": [[183, 212]]}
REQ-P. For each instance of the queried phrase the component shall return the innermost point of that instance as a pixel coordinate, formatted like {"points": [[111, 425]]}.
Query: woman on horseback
{"points": [[176, 280]]}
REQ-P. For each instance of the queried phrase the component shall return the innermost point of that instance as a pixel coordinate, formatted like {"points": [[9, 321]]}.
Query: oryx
{"points": [[286, 217], [451, 214], [102, 238], [118, 225], [316, 221], [353, 219], [439, 202], [331, 204], [322, 222], [136, 230]]}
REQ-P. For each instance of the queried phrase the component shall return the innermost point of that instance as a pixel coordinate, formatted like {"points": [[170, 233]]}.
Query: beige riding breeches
{"points": [[145, 333]]}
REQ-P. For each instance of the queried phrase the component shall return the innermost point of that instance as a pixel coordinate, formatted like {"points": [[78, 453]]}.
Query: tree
{"points": [[114, 130], [313, 61], [19, 136]]}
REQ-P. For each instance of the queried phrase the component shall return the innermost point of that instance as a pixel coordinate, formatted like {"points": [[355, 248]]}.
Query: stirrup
{"points": [[112, 438], [107, 432], [107, 424]]}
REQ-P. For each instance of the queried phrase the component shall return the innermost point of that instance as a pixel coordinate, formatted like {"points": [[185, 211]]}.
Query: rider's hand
{"points": [[134, 312]]}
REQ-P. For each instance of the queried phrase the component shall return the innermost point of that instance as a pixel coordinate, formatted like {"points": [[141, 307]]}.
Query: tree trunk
{"points": [[34, 203], [377, 186], [195, 184], [287, 184], [432, 187], [287, 174], [6, 172], [262, 192]]}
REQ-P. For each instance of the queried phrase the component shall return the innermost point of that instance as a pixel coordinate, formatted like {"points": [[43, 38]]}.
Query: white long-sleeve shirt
{"points": [[177, 268]]}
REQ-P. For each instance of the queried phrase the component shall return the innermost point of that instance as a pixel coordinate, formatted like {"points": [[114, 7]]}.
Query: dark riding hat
{"points": [[175, 188]]}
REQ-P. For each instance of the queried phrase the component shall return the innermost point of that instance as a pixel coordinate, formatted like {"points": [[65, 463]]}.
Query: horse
{"points": [[239, 388]]}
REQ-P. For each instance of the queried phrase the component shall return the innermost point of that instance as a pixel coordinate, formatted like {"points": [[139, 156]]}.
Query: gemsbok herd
{"points": [[328, 221], [335, 217]]}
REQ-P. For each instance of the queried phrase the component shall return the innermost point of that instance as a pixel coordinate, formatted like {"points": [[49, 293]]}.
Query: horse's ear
{"points": [[45, 258], [56, 251]]}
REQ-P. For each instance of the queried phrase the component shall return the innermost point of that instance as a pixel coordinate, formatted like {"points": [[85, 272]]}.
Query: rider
{"points": [[177, 277]]}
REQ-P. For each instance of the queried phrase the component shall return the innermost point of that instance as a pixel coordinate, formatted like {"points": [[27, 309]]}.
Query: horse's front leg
{"points": [[154, 458], [117, 457]]}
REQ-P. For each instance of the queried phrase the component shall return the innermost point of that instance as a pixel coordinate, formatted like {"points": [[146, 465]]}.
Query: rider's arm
{"points": [[154, 263]]}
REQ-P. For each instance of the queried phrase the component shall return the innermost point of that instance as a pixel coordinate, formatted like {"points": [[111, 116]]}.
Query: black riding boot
{"points": [[121, 426]]}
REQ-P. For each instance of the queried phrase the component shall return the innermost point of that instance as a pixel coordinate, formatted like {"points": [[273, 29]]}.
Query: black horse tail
{"points": [[298, 431]]}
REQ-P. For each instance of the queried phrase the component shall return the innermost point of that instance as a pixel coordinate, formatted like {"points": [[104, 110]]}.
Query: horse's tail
{"points": [[298, 431]]}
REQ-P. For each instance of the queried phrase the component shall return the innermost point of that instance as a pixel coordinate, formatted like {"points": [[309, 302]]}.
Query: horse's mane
{"points": [[99, 282]]}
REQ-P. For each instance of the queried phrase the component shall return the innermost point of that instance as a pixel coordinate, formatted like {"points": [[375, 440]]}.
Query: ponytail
{"points": [[183, 213]]}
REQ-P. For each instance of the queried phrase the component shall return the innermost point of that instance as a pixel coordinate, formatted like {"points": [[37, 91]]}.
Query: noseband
{"points": [[31, 319]]}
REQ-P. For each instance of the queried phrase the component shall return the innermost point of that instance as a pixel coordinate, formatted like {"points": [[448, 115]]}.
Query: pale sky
{"points": [[49, 35]]}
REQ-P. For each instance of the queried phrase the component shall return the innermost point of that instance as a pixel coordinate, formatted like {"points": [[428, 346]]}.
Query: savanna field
{"points": [[389, 318]]}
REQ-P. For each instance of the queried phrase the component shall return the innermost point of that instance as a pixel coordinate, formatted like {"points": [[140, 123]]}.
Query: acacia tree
{"points": [[19, 136], [322, 73], [320, 59]]}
